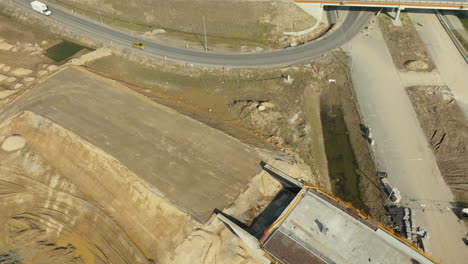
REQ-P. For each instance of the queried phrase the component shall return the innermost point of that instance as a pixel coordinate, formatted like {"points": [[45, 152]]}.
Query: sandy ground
{"points": [[401, 148], [66, 201], [59, 194], [113, 118], [228, 99], [107, 149], [71, 183], [22, 61]]}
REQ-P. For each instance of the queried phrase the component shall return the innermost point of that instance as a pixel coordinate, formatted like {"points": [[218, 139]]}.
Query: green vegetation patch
{"points": [[463, 19], [462, 40], [63, 50], [341, 161]]}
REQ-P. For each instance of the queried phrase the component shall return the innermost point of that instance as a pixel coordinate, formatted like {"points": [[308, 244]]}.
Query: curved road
{"points": [[352, 24]]}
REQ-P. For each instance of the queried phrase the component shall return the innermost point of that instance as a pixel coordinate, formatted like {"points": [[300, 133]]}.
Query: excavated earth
{"points": [[95, 173], [158, 144], [446, 131]]}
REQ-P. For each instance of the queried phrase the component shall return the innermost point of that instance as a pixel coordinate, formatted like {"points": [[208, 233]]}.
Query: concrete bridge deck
{"points": [[317, 228], [402, 4]]}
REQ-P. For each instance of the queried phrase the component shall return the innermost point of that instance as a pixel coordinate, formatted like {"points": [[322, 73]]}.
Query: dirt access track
{"points": [[196, 167]]}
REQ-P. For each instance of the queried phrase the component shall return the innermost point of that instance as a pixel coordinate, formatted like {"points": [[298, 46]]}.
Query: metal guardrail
{"points": [[402, 2], [452, 36], [432, 2], [456, 5]]}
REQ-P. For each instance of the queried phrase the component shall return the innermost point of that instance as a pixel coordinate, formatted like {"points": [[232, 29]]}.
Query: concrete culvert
{"points": [[13, 142]]}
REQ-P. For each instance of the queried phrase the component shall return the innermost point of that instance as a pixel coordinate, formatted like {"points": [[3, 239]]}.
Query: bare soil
{"points": [[227, 99], [22, 60], [60, 190], [66, 201], [405, 45], [70, 192], [110, 118], [230, 100], [446, 130]]}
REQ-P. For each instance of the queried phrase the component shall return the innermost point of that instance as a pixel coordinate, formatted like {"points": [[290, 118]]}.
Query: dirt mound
{"points": [[416, 65], [13, 143], [68, 200], [185, 160], [21, 72], [446, 131], [65, 201], [64, 193]]}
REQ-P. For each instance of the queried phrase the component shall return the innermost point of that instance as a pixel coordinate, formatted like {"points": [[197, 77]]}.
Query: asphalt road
{"points": [[351, 25]]}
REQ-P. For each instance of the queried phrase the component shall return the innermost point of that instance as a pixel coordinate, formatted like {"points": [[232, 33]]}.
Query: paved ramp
{"points": [[193, 165]]}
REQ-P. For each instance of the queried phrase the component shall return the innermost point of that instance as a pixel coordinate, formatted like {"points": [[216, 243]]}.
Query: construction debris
{"points": [[392, 192], [404, 222]]}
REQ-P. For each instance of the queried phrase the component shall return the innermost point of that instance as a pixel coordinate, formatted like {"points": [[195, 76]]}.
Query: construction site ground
{"points": [[66, 201], [108, 175], [166, 147], [229, 100]]}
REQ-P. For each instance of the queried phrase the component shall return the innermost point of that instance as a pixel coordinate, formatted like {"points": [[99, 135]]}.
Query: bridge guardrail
{"points": [[455, 5]]}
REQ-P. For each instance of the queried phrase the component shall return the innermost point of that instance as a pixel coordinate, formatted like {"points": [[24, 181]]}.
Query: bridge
{"points": [[316, 228], [400, 4]]}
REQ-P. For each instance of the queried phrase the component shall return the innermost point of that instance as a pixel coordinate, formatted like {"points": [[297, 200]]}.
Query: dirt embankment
{"points": [[446, 131], [65, 201], [68, 201], [62, 194], [168, 150], [230, 99], [406, 47], [229, 24], [257, 106]]}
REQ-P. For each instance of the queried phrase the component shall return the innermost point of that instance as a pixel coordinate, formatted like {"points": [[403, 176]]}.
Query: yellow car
{"points": [[138, 45]]}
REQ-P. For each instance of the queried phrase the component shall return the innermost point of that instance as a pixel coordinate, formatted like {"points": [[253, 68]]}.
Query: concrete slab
{"points": [[195, 166], [313, 9]]}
